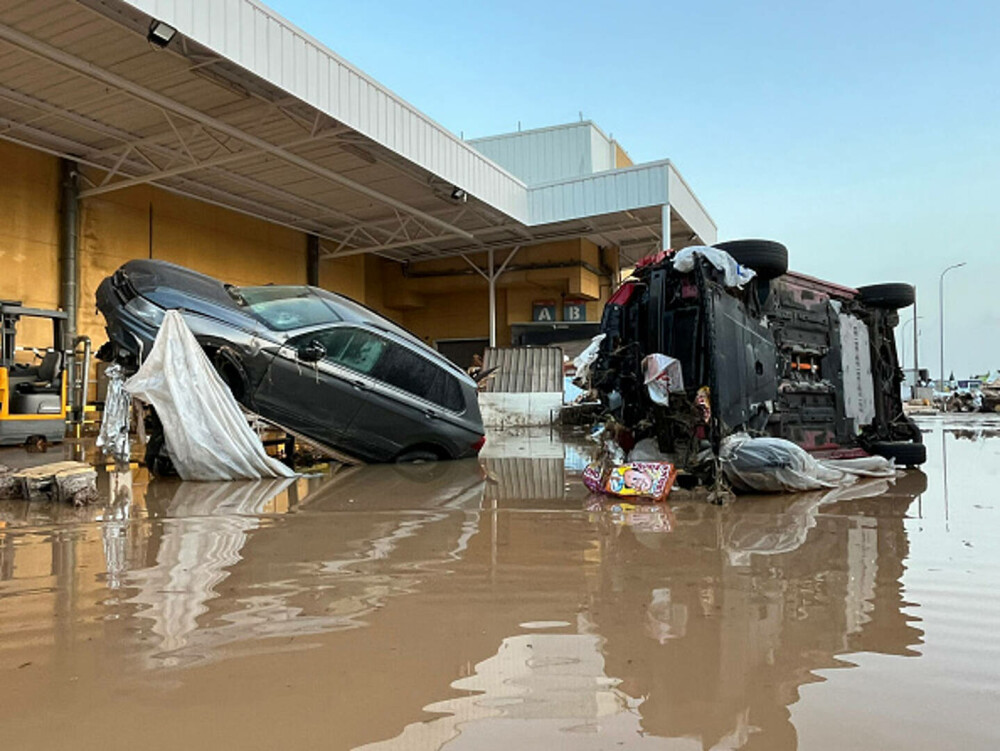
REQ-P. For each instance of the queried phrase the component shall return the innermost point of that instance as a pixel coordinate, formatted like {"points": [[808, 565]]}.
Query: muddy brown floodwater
{"points": [[492, 607]]}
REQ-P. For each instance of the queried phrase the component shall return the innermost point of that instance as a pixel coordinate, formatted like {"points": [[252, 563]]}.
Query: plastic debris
{"points": [[735, 275], [651, 480], [663, 375], [583, 361], [647, 450], [774, 465], [205, 431]]}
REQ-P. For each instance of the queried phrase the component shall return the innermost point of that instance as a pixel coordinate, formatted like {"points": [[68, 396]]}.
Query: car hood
{"points": [[172, 286]]}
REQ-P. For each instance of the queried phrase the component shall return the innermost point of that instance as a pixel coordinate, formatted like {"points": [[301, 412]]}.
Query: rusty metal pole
{"points": [[312, 260], [69, 205]]}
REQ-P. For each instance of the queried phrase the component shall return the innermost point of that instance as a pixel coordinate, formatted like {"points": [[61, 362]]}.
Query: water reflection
{"points": [[702, 635], [488, 596]]}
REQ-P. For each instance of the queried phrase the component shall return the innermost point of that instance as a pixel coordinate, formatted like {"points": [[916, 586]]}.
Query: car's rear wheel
{"points": [[419, 454], [769, 259], [902, 452], [890, 296]]}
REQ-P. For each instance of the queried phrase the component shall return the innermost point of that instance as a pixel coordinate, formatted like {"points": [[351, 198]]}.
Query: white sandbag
{"points": [[774, 465], [735, 274], [663, 375], [204, 429]]}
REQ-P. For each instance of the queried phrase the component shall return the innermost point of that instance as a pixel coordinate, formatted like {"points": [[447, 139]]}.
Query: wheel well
{"points": [[230, 371], [440, 452]]}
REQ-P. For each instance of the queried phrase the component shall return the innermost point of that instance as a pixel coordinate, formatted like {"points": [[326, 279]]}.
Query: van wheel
{"points": [[891, 296], [767, 258], [902, 452]]}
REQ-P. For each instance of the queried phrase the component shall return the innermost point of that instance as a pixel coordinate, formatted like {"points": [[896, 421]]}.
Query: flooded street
{"points": [[490, 605]]}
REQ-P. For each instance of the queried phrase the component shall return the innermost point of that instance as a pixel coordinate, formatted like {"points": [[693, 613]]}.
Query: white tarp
{"points": [[205, 431], [735, 274], [774, 465]]}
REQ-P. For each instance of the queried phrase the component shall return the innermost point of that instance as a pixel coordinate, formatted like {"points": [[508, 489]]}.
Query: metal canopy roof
{"points": [[246, 111]]}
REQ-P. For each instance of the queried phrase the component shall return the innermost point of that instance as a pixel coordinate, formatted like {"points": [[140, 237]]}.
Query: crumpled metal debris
{"points": [[113, 438]]}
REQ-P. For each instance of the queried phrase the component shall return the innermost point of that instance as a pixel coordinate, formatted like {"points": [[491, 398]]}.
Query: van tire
{"points": [[891, 296], [769, 259], [902, 452]]}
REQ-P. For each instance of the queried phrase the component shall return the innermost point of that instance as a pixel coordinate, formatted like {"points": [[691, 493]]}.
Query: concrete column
{"points": [[665, 225], [312, 260]]}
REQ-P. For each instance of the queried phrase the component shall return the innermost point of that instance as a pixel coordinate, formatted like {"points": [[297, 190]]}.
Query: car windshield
{"points": [[284, 308]]}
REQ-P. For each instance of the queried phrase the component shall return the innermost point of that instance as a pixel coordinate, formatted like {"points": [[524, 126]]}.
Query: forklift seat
{"points": [[48, 376]]}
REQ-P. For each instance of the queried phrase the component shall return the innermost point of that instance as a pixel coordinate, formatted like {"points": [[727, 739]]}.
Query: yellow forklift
{"points": [[37, 399]]}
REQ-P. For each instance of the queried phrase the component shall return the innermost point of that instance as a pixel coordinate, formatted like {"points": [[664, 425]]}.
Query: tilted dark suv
{"points": [[784, 355]]}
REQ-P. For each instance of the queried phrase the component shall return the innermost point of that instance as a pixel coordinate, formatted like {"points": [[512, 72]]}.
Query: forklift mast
{"points": [[10, 312]]}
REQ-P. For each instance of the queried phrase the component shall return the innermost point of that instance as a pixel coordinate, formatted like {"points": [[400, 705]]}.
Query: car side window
{"points": [[348, 347], [419, 376]]}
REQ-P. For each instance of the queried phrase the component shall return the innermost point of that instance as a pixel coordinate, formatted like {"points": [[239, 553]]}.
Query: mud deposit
{"points": [[493, 607]]}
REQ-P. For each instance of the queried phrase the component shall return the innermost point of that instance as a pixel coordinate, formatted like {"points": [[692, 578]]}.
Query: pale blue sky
{"points": [[865, 136]]}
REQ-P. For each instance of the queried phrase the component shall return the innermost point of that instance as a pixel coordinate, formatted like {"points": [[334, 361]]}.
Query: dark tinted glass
{"points": [[421, 377], [349, 347]]}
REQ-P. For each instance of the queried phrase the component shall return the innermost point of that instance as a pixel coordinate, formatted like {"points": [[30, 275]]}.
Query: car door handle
{"points": [[360, 385], [430, 414]]}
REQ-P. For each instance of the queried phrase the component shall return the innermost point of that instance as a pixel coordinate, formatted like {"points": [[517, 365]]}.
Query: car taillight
{"points": [[478, 445]]}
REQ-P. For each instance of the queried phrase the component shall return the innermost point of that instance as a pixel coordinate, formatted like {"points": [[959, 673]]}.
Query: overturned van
{"points": [[754, 348]]}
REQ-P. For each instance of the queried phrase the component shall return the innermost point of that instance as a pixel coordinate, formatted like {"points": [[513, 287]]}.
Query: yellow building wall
{"points": [[146, 222], [446, 299], [345, 276], [29, 235], [622, 159]]}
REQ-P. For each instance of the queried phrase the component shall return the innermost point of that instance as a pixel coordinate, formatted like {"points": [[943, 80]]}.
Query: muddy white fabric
{"points": [[583, 361], [735, 274], [663, 375], [774, 465], [204, 429]]}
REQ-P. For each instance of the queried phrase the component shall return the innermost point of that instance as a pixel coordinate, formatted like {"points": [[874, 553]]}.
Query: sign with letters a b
{"points": [[574, 310]]}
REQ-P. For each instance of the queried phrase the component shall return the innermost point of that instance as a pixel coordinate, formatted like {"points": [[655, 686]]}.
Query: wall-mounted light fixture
{"points": [[160, 33], [457, 194]]}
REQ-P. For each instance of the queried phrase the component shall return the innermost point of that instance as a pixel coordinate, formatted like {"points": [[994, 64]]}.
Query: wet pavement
{"points": [[491, 605]]}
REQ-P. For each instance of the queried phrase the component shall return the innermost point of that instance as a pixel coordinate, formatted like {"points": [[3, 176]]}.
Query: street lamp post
{"points": [[941, 314], [902, 335]]}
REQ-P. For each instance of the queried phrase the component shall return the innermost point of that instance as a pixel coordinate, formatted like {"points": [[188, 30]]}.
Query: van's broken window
{"points": [[283, 308]]}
